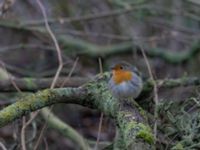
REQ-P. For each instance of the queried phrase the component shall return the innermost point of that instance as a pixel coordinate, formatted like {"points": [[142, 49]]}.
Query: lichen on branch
{"points": [[130, 119]]}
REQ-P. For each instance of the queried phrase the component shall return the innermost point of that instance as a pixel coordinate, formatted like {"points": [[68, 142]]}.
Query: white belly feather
{"points": [[126, 89]]}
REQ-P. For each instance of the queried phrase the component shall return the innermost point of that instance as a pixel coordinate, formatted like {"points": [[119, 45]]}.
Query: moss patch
{"points": [[178, 146], [145, 133], [140, 130], [30, 83]]}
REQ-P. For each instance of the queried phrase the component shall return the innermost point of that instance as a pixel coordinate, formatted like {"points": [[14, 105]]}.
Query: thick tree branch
{"points": [[130, 119], [172, 83], [39, 100], [64, 129], [35, 84]]}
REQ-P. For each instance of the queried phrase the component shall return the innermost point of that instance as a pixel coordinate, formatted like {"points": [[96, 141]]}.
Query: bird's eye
{"points": [[121, 67]]}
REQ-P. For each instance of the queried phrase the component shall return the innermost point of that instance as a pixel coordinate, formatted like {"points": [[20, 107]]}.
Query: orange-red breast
{"points": [[125, 81]]}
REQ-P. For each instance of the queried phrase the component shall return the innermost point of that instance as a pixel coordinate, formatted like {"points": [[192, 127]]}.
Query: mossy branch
{"points": [[64, 129], [39, 100], [35, 84], [73, 45], [130, 119]]}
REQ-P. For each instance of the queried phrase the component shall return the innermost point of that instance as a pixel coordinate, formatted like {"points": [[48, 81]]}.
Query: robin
{"points": [[125, 81]]}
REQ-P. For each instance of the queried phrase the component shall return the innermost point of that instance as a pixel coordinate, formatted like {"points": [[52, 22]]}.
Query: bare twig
{"points": [[45, 125], [23, 134], [5, 6], [35, 84], [59, 60], [101, 117], [70, 73], [99, 132], [25, 125], [23, 129], [64, 129], [155, 90], [40, 136], [55, 43], [23, 137], [93, 50], [90, 16], [46, 144], [2, 146]]}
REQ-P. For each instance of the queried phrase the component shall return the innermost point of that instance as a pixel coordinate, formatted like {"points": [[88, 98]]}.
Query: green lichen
{"points": [[121, 115], [133, 129], [142, 111], [140, 130], [99, 90], [145, 133], [30, 83], [178, 146], [25, 105]]}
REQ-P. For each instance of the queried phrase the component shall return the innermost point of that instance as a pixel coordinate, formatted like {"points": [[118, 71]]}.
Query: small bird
{"points": [[125, 81]]}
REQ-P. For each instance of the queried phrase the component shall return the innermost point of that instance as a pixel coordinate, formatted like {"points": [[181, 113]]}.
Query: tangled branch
{"points": [[130, 119]]}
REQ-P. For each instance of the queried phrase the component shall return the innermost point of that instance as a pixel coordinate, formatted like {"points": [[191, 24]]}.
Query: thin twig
{"points": [[23, 134], [2, 146], [45, 125], [59, 60], [155, 91], [40, 135], [90, 16], [46, 144], [5, 6], [55, 43], [99, 132], [70, 73], [25, 125], [101, 117], [35, 84]]}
